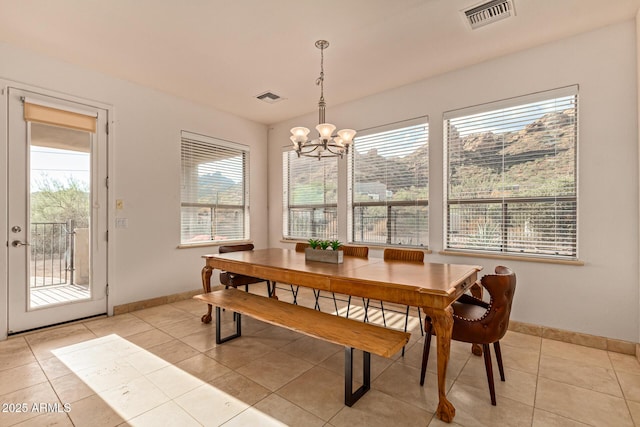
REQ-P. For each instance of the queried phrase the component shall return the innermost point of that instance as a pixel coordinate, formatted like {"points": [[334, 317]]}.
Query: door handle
{"points": [[18, 243]]}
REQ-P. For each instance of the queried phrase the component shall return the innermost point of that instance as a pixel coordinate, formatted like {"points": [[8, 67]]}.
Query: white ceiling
{"points": [[222, 53]]}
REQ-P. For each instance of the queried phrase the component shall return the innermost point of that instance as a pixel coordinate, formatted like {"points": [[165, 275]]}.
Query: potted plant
{"points": [[318, 250]]}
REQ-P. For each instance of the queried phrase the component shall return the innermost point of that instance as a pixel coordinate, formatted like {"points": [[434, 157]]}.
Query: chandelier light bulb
{"points": [[347, 135], [325, 130]]}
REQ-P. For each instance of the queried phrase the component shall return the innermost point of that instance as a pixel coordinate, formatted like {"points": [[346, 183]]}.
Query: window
{"points": [[310, 197], [511, 185], [389, 181], [215, 191]]}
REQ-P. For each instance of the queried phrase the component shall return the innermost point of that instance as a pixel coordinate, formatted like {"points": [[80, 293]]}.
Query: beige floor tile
{"points": [[162, 315], [237, 353], [575, 373], [312, 350], [586, 355], [547, 419], [317, 391], [96, 352], [70, 388], [21, 403], [274, 369], [52, 419], [287, 412], [473, 408], [634, 408], [173, 381], [108, 375], [174, 351], [240, 387], [630, 384], [196, 308], [582, 405], [624, 362], [210, 406], [93, 411], [518, 358], [150, 338], [134, 397], [203, 367], [166, 415], [21, 377], [520, 340], [403, 382], [15, 352], [457, 360], [54, 368], [253, 417], [146, 362], [43, 343], [518, 385], [202, 341], [186, 327], [379, 409], [122, 325]]}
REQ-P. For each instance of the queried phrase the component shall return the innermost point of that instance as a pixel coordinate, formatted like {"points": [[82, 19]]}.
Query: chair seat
{"points": [[235, 280]]}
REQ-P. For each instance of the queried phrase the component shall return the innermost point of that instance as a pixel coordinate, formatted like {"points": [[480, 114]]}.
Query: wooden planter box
{"points": [[321, 255]]}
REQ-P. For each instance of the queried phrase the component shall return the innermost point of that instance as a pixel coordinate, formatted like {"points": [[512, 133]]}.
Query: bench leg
{"points": [[351, 397], [238, 322]]}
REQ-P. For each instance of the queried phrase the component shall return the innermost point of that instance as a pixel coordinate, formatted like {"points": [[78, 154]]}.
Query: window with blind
{"points": [[389, 185], [214, 197], [310, 197], [512, 185]]}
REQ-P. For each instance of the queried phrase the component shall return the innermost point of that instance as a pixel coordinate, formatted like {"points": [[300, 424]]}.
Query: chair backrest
{"points": [[501, 287], [235, 248], [301, 246], [359, 251], [395, 254]]}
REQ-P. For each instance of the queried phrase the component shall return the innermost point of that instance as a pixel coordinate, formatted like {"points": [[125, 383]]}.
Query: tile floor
{"points": [[161, 366]]}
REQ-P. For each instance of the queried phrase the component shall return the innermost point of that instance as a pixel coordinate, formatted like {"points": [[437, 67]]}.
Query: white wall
{"points": [[599, 298], [145, 172]]}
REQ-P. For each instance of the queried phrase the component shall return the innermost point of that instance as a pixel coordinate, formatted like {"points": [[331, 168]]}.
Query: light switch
{"points": [[122, 223]]}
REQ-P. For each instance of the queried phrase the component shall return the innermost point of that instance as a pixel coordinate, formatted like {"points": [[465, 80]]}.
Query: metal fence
{"points": [[52, 253]]}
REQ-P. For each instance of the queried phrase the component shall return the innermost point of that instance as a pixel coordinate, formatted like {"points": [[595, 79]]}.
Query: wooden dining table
{"points": [[430, 286]]}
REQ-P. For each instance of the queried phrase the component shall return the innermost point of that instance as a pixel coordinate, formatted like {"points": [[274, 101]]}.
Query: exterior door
{"points": [[57, 210]]}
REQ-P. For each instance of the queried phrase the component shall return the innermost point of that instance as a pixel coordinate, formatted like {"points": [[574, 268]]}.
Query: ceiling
{"points": [[222, 53]]}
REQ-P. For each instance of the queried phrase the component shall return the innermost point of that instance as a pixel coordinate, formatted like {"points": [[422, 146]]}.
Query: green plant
{"points": [[335, 244], [314, 243], [324, 244]]}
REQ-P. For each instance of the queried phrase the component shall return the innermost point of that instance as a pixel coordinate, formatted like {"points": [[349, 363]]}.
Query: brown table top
{"points": [[382, 279]]}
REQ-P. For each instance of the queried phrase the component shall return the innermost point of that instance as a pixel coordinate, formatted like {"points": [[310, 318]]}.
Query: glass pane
{"points": [[60, 178]]}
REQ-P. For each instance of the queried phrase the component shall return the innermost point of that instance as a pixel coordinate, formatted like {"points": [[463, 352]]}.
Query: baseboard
{"points": [[153, 302], [602, 343]]}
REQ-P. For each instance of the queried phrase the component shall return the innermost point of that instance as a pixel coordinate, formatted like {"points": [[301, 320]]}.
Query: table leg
{"points": [[206, 286], [442, 321]]}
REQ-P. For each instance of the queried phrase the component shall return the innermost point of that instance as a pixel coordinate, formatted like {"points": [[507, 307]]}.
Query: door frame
{"points": [[4, 225]]}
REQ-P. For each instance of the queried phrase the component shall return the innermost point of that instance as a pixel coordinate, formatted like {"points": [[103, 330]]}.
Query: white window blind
{"points": [[389, 181], [214, 196], [512, 184], [310, 197]]}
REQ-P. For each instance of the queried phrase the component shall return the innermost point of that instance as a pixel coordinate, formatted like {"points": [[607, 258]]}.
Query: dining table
{"points": [[432, 287]]}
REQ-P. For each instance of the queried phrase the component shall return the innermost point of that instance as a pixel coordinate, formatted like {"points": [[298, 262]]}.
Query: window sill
{"points": [[514, 257], [210, 244]]}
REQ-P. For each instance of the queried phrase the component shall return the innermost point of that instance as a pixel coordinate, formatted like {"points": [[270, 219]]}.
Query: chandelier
{"points": [[327, 144]]}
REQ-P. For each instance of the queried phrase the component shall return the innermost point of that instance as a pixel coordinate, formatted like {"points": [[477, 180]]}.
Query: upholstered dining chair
{"points": [[478, 322], [234, 280]]}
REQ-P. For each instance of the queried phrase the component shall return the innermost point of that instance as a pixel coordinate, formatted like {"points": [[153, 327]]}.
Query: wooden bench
{"points": [[349, 333]]}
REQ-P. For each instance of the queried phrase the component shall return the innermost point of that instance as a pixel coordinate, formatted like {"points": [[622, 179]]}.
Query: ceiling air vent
{"points": [[489, 12], [269, 97]]}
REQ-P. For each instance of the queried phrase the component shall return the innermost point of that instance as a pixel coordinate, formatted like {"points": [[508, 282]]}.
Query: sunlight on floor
{"points": [[146, 390]]}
